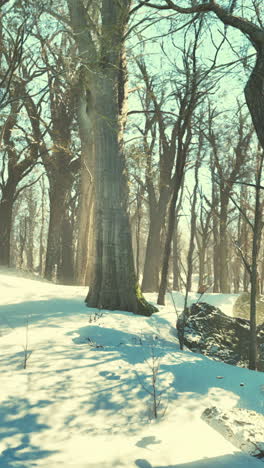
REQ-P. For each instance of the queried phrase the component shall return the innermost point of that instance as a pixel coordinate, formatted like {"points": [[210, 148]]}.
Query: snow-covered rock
{"points": [[209, 331], [244, 428]]}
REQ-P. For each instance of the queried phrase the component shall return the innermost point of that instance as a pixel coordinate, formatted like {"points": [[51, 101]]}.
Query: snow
{"points": [[84, 399], [243, 427]]}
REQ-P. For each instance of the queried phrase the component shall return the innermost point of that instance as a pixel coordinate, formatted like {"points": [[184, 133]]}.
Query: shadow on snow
{"points": [[13, 423]]}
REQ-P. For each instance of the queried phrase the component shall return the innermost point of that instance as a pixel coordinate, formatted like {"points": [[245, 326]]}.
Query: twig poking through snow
{"points": [[27, 352]]}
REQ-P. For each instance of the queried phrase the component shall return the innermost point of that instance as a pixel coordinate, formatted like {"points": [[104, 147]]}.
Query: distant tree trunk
{"points": [[216, 258], [262, 274], [201, 257], [236, 274], [23, 231], [152, 265], [41, 234], [138, 229], [32, 213], [209, 266], [258, 224], [66, 270], [58, 195], [176, 257], [245, 246], [30, 247], [223, 244], [216, 251], [6, 207], [169, 235], [150, 281], [236, 267], [192, 235]]}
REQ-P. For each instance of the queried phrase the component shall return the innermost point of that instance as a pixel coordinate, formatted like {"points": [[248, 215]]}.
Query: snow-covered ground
{"points": [[84, 399]]}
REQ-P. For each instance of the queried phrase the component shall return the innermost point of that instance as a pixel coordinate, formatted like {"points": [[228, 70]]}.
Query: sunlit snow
{"points": [[84, 399]]}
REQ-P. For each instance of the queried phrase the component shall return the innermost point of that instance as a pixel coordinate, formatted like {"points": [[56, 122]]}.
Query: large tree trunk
{"points": [[114, 281], [255, 102], [113, 284], [254, 92]]}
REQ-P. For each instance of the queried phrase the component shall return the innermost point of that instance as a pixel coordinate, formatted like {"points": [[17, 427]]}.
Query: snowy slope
{"points": [[84, 400]]}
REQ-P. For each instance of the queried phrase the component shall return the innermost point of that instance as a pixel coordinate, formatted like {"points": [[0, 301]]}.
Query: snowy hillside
{"points": [[85, 398]]}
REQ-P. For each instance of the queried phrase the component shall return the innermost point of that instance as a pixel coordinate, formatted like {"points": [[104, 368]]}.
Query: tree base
{"points": [[144, 308], [137, 304]]}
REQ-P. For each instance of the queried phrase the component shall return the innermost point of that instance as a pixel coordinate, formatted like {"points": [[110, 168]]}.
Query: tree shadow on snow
{"points": [[132, 347], [236, 460], [16, 419], [40, 312]]}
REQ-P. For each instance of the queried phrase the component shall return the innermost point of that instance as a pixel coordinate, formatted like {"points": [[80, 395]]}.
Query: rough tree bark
{"points": [[84, 255], [113, 284]]}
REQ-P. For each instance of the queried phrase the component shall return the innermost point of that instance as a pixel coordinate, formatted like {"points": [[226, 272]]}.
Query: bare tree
{"points": [[193, 221], [230, 154], [189, 95], [60, 161], [252, 267], [12, 49], [253, 31], [202, 237], [19, 157], [155, 133]]}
